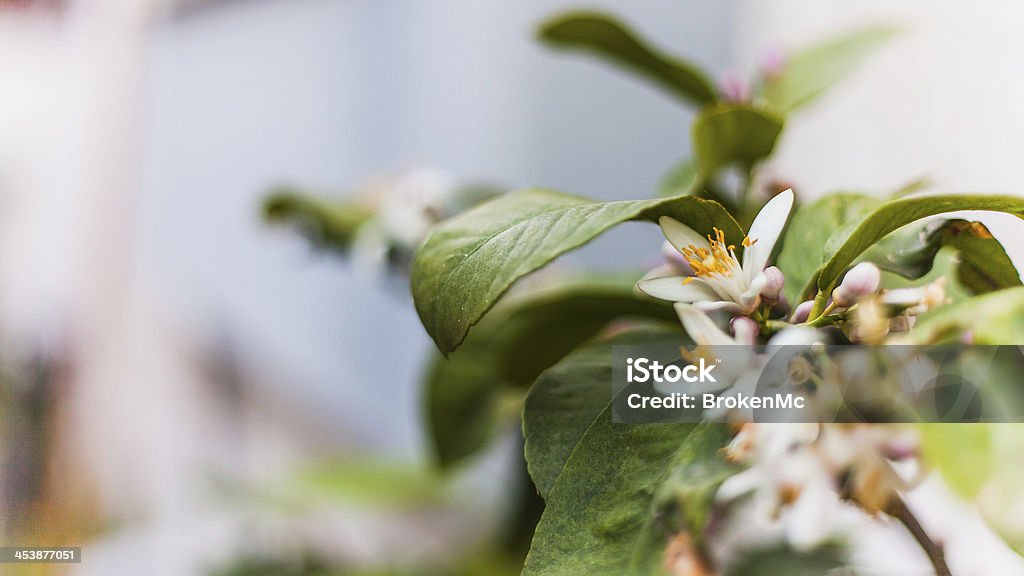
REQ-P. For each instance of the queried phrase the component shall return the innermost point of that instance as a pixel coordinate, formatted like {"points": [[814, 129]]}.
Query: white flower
{"points": [[787, 478], [798, 473], [720, 281], [919, 300]]}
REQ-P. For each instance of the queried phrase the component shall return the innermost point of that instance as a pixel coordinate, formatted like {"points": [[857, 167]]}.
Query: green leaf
{"points": [[809, 73], [605, 37], [895, 214], [327, 223], [511, 346], [804, 245], [945, 265], [993, 318], [470, 261], [602, 516], [725, 134], [911, 250], [567, 399], [616, 493], [788, 562]]}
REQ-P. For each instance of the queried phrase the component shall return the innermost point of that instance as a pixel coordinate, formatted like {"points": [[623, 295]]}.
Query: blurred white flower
{"points": [[720, 281], [407, 206], [786, 479], [918, 300], [412, 202], [799, 474]]}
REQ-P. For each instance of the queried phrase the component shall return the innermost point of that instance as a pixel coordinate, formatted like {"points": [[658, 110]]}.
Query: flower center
{"points": [[718, 258]]}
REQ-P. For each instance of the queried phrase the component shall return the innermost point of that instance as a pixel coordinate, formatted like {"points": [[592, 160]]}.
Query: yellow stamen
{"points": [[719, 258]]}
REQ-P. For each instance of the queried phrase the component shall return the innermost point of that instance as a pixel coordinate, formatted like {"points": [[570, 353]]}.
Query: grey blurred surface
{"points": [[246, 95]]}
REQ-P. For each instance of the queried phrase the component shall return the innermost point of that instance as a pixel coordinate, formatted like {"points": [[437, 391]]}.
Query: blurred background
{"points": [[190, 391]]}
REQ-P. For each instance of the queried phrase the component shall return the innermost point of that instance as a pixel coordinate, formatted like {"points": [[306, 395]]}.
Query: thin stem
{"points": [[898, 509], [819, 304]]}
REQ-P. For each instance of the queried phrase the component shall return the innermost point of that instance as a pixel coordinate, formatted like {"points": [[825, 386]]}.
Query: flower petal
{"points": [[680, 235], [750, 299], [676, 289], [766, 229], [716, 305], [699, 327]]}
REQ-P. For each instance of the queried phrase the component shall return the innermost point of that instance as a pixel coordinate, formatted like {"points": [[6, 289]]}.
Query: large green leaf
{"points": [[910, 252], [511, 346], [993, 318], [616, 493], [804, 245], [606, 37], [809, 73], [604, 515], [726, 134], [895, 214], [331, 224], [470, 261]]}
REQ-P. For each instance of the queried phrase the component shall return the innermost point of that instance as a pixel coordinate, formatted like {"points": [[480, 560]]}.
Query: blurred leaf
{"points": [[962, 453], [804, 245], [892, 215], [680, 180], [328, 223], [511, 346], [789, 562], [605, 37], [993, 318], [910, 251], [808, 73], [373, 482], [470, 261], [725, 134], [1002, 502]]}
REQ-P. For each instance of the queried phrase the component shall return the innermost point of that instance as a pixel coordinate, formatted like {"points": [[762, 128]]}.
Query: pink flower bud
{"points": [[744, 330], [734, 89], [862, 280], [802, 312], [773, 287]]}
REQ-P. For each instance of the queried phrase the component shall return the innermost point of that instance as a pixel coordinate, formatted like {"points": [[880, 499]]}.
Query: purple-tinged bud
{"points": [[744, 330], [802, 312], [734, 89], [862, 280], [773, 286], [773, 62]]}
